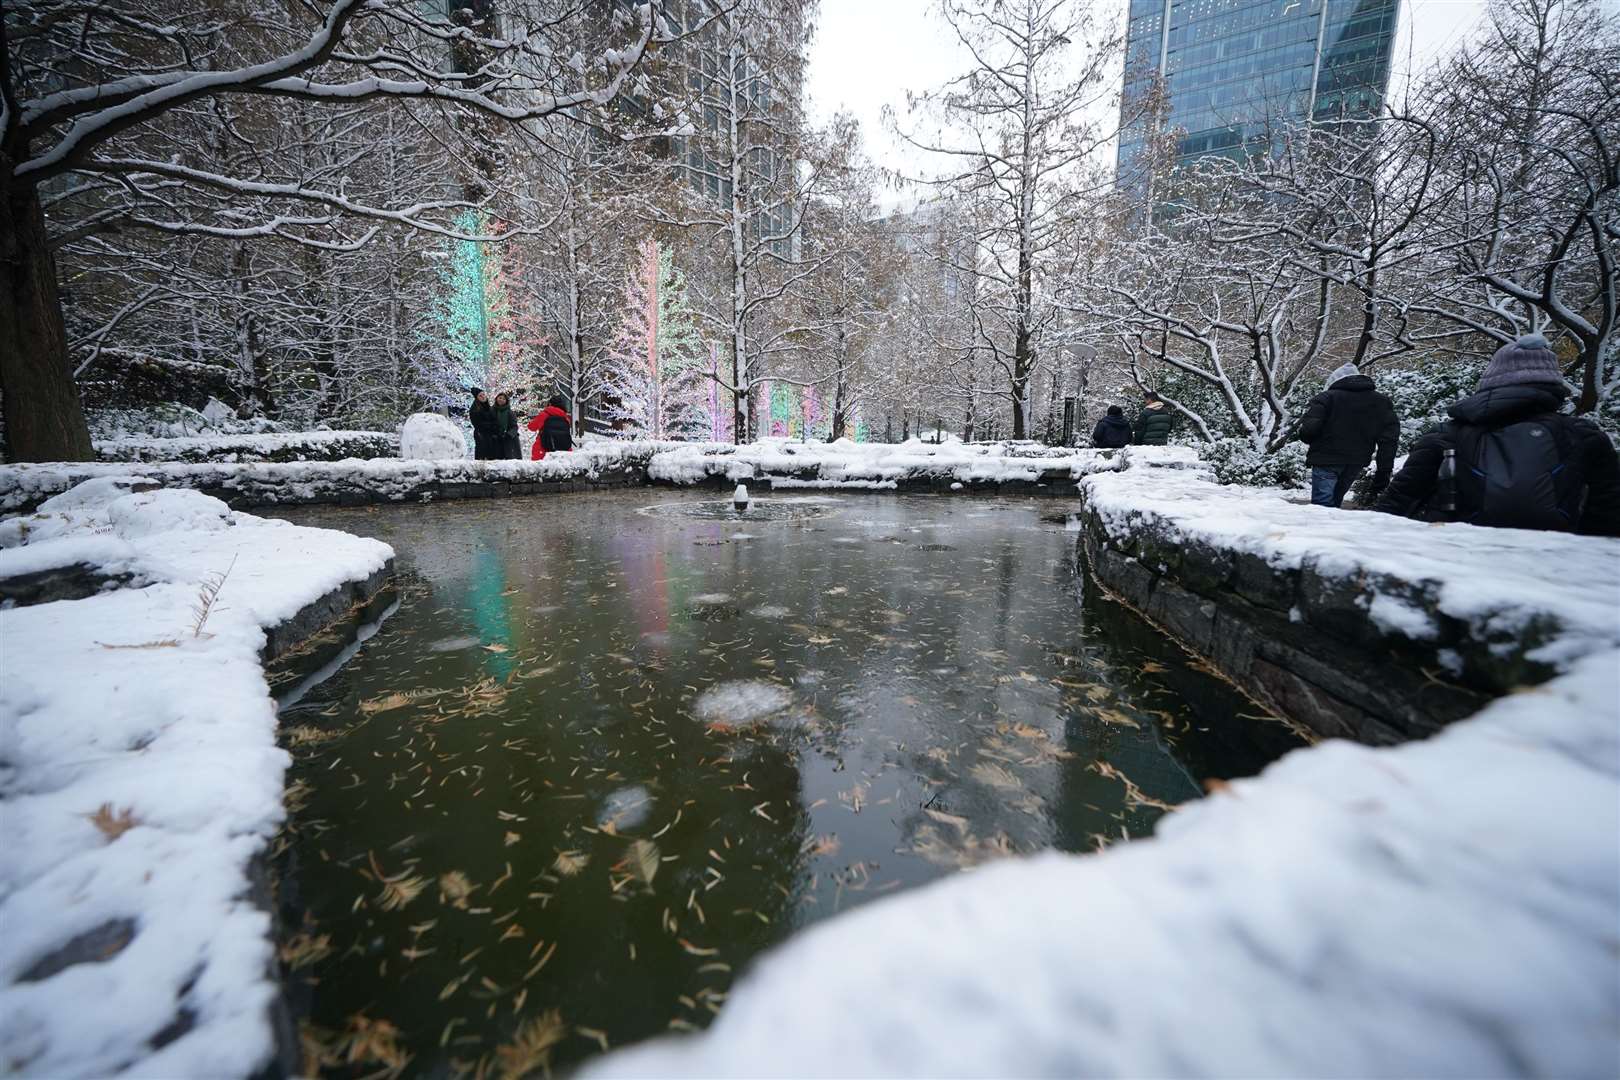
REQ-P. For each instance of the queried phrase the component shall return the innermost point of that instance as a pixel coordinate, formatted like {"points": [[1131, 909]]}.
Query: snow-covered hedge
{"points": [[141, 777], [276, 447], [1236, 461]]}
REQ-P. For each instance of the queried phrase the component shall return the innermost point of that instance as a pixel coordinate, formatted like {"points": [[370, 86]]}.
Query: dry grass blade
{"points": [[302, 950], [454, 888], [1134, 795], [531, 1046], [113, 825]]}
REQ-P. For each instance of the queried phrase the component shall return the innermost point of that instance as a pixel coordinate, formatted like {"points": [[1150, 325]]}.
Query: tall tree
{"points": [[655, 374], [1021, 133], [83, 89]]}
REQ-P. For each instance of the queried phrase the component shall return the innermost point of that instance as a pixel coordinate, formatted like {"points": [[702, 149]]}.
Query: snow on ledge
{"points": [[114, 701], [1495, 581], [1441, 908]]}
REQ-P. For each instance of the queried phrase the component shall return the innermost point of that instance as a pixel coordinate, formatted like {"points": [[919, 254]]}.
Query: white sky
{"points": [[867, 53]]}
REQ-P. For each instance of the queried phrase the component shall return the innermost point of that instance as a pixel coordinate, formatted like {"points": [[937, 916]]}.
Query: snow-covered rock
{"points": [[431, 437], [1442, 908], [150, 512], [140, 776]]}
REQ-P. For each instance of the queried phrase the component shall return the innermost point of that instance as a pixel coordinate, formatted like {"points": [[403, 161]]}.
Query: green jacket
{"points": [[1153, 425]]}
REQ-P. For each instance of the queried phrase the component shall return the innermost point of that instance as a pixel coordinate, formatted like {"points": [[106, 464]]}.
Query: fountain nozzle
{"points": [[739, 498]]}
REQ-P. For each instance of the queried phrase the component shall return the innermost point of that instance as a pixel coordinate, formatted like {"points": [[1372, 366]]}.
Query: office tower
{"points": [[1230, 66]]}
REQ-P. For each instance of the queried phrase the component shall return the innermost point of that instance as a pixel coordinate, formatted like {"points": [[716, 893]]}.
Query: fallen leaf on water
{"points": [[644, 859], [988, 772], [569, 863], [531, 1045], [495, 648], [512, 838], [956, 821]]}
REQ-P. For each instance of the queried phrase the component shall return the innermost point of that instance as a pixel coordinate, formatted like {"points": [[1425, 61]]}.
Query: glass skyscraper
{"points": [[1230, 65]]}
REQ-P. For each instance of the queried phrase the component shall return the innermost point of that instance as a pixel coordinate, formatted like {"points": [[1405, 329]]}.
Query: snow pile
{"points": [[431, 437], [273, 446], [845, 464], [140, 776], [1500, 584], [1439, 908]]}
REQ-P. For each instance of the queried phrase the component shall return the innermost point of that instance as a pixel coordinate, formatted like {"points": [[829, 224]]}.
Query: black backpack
{"points": [[556, 434], [1524, 475]]}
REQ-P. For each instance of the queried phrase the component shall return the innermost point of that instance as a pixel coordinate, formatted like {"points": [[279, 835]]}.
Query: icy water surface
{"points": [[610, 747]]}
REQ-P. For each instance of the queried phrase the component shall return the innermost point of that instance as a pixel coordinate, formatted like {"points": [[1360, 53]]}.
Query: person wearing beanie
{"points": [[482, 418], [1154, 421], [1112, 431], [1509, 457], [1343, 426]]}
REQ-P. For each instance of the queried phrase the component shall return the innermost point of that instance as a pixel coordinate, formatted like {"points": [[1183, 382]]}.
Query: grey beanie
{"points": [[1343, 371], [1528, 360]]}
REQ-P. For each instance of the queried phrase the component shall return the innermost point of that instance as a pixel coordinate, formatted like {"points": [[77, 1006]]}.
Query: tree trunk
{"points": [[44, 421]]}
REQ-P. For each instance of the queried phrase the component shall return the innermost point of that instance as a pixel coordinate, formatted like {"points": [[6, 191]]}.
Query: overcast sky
{"points": [[867, 53]]}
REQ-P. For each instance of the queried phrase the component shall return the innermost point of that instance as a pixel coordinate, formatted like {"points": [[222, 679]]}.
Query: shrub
{"points": [[1236, 461]]}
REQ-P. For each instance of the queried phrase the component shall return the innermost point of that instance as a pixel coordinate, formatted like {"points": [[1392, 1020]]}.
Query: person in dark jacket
{"points": [[505, 429], [1508, 457], [1344, 425], [1112, 431], [556, 429], [1153, 423], [482, 419]]}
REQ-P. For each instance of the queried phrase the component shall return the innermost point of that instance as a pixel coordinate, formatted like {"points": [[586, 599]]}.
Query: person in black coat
{"points": [[505, 429], [482, 419], [1112, 431], [1154, 423], [1513, 458], [1344, 425]]}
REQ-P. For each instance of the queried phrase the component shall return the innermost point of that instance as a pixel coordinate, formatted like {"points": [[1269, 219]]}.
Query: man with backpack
{"points": [[1344, 425], [556, 429], [1509, 458]]}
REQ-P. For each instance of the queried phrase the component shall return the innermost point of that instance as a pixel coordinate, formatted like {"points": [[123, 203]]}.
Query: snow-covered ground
{"points": [[1442, 908], [1497, 582], [139, 775]]}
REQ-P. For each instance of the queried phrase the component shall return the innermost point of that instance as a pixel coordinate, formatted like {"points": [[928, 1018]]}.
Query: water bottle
{"points": [[1445, 493]]}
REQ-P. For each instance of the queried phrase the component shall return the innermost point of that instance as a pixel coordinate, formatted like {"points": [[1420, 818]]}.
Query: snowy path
{"points": [[139, 776]]}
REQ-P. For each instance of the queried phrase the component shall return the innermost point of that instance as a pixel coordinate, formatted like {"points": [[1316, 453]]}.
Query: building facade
{"points": [[1231, 68]]}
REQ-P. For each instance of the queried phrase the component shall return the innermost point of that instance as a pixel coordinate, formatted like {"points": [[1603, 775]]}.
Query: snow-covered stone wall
{"points": [[988, 468], [1356, 624], [140, 780]]}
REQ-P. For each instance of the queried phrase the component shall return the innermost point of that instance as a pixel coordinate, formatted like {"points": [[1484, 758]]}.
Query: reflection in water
{"points": [[673, 745]]}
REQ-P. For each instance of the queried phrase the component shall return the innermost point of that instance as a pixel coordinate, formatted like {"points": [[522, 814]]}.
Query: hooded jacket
{"points": [[1347, 422], [1592, 454], [556, 432], [1153, 425], [1111, 432], [481, 415]]}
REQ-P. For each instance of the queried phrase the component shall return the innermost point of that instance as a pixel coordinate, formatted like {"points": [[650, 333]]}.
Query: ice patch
{"points": [[770, 611], [625, 808], [453, 644], [711, 599], [741, 702]]}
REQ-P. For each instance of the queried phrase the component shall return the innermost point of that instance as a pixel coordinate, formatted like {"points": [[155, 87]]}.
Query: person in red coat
{"points": [[556, 430]]}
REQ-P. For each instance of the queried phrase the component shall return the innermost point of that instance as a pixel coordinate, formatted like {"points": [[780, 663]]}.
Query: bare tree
{"points": [[1021, 132], [83, 86]]}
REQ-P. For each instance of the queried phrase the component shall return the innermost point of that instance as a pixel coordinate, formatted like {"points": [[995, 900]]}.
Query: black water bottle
{"points": [[1446, 488]]}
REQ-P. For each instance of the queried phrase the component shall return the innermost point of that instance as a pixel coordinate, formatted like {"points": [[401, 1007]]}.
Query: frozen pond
{"points": [[612, 746]]}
